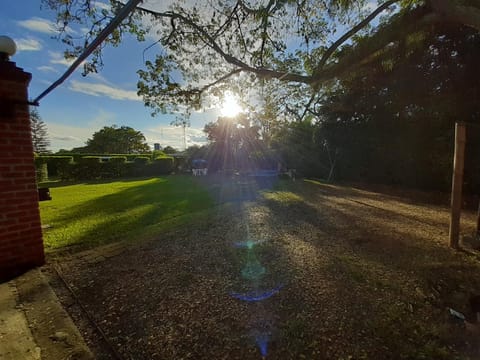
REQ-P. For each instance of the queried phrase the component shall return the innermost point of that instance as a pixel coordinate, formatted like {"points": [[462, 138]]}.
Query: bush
{"points": [[41, 171], [141, 160], [57, 165], [78, 156], [115, 167], [163, 165], [101, 167], [51, 166], [139, 166], [87, 167]]}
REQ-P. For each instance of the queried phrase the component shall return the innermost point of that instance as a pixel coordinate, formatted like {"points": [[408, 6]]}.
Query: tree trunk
{"points": [[457, 182]]}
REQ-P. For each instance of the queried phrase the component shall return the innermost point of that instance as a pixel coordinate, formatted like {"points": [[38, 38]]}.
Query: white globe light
{"points": [[7, 45]]}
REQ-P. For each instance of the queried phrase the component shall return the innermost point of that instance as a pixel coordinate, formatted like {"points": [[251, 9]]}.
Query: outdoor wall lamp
{"points": [[7, 48]]}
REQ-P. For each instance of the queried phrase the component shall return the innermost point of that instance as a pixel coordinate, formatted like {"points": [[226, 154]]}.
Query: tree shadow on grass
{"points": [[130, 212], [59, 183]]}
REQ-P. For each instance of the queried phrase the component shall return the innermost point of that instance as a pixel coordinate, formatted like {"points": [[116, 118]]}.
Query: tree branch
{"points": [[221, 79], [207, 38], [264, 29], [307, 107], [350, 33], [370, 48]]}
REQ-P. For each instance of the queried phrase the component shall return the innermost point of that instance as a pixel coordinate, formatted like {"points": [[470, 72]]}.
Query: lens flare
{"points": [[256, 295], [262, 343], [253, 270]]}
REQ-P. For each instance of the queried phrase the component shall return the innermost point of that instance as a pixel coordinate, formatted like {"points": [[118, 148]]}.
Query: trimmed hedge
{"points": [[41, 172], [57, 165], [103, 167], [115, 167], [51, 166], [163, 165], [130, 157], [85, 168], [141, 160]]}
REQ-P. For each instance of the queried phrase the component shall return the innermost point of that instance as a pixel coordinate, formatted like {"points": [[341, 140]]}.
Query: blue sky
{"points": [[83, 105]]}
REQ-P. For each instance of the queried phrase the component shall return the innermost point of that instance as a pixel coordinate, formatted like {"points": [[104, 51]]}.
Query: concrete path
{"points": [[16, 339], [33, 324]]}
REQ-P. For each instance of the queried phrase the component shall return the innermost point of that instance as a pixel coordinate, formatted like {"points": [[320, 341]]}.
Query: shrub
{"points": [[140, 166], [115, 167], [87, 167], [51, 166], [118, 160], [41, 171], [103, 167], [158, 154], [162, 165], [57, 165], [141, 160], [78, 156]]}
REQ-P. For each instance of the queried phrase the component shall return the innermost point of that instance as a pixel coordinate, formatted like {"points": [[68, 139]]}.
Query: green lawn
{"points": [[95, 213]]}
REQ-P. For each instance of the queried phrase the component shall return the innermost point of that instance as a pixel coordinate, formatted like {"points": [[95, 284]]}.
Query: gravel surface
{"points": [[307, 270]]}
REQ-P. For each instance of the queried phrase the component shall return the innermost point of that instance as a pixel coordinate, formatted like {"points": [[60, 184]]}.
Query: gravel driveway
{"points": [[305, 271]]}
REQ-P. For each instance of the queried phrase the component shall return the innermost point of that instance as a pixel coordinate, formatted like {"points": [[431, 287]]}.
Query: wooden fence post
{"points": [[477, 233], [457, 182]]}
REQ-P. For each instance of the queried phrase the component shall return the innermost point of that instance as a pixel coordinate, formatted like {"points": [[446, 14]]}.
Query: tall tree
{"points": [[117, 140], [207, 47], [233, 141], [169, 150], [39, 133], [394, 123]]}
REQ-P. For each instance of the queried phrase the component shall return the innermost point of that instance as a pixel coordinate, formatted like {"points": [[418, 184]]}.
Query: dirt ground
{"points": [[301, 271]]}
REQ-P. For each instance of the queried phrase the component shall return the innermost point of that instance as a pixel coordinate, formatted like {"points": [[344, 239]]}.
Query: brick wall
{"points": [[21, 245]]}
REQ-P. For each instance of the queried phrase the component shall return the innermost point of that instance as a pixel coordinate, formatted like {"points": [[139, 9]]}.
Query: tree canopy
{"points": [[169, 150], [375, 89], [117, 140], [237, 143], [395, 125], [207, 47]]}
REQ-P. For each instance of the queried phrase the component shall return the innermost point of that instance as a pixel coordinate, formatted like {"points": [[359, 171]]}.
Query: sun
{"points": [[230, 106]]}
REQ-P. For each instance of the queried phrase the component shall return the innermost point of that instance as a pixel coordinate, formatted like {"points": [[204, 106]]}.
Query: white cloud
{"points": [[42, 25], [173, 136], [65, 138], [38, 24], [98, 77], [58, 58], [45, 82], [61, 138], [29, 44], [46, 68], [98, 89]]}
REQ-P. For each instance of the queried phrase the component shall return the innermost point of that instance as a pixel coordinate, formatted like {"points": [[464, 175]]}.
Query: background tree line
{"points": [[376, 104], [391, 122]]}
